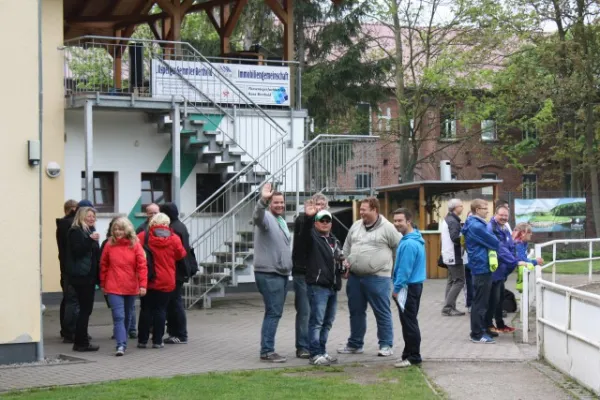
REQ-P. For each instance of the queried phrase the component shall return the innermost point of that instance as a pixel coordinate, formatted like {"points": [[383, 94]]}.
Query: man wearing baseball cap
{"points": [[323, 280]]}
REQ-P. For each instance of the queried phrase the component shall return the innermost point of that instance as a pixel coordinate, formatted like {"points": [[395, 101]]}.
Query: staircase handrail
{"points": [[284, 167], [197, 54]]}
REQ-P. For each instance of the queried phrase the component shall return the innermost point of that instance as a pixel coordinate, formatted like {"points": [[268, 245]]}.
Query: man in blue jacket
{"points": [[507, 262], [409, 275], [479, 242]]}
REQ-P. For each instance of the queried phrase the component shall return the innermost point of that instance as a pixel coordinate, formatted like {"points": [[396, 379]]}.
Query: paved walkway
{"points": [[226, 338]]}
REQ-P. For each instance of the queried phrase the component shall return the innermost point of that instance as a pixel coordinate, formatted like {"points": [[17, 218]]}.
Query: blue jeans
{"points": [[132, 325], [120, 307], [302, 312], [273, 289], [377, 292], [323, 302]]}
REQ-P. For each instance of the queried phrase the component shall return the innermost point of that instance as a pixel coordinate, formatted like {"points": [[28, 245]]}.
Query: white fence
{"points": [[568, 319]]}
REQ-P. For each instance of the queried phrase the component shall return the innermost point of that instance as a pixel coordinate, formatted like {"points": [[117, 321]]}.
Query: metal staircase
{"points": [[224, 243]]}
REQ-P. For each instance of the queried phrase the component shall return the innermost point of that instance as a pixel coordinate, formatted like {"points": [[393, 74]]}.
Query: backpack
{"points": [[149, 256], [510, 303]]}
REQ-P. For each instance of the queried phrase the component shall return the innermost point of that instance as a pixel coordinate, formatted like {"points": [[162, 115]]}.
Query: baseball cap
{"points": [[322, 214], [85, 203]]}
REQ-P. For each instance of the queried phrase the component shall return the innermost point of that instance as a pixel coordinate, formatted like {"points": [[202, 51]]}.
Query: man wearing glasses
{"points": [[323, 280], [479, 242]]}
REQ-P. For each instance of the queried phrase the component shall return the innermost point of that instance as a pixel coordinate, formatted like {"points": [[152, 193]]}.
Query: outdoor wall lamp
{"points": [[33, 152]]}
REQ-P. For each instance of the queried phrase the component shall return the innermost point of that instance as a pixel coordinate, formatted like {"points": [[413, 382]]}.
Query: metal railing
{"points": [[105, 65], [222, 228], [528, 299], [115, 66], [567, 330]]}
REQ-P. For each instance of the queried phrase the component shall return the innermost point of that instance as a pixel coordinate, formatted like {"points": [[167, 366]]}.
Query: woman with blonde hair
{"points": [[83, 257], [123, 275], [522, 235], [165, 250]]}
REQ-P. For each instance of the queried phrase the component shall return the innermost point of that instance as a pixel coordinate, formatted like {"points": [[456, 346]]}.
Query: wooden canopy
{"points": [[424, 190], [118, 18]]}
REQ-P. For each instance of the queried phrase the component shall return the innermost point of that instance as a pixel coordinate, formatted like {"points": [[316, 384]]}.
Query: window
{"points": [[104, 191], [454, 176], [411, 127], [448, 122], [363, 180], [156, 188], [488, 190], [206, 185], [529, 186], [384, 119], [567, 184], [363, 119], [488, 130]]}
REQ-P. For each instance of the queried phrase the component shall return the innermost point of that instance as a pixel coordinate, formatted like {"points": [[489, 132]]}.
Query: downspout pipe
{"points": [[40, 345]]}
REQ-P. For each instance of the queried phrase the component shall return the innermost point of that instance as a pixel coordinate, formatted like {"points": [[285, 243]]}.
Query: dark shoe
{"points": [[273, 358], [302, 354], [492, 333], [158, 346], [175, 340], [68, 340], [89, 347], [142, 345], [133, 335], [89, 338], [112, 337]]}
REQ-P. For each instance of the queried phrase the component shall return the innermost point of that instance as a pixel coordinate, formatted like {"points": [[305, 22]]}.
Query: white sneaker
{"points": [[385, 351], [319, 360], [120, 351], [403, 364], [331, 359], [350, 350]]}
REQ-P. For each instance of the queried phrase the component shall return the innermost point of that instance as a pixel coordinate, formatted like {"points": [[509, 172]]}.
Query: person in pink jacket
{"points": [[123, 275]]}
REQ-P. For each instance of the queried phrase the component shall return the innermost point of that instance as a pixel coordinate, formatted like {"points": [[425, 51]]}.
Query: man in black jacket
{"points": [[151, 210], [299, 255], [323, 280], [452, 257], [185, 268], [69, 297]]}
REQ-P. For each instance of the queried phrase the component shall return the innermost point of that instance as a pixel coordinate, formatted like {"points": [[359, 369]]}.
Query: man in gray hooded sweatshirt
{"points": [[272, 265]]}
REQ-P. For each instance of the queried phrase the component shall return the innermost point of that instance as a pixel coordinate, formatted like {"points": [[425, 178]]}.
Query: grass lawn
{"points": [[575, 268], [340, 382]]}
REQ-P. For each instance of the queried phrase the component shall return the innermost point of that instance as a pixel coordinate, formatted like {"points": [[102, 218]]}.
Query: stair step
{"points": [[213, 278], [241, 246], [214, 264], [194, 141], [210, 133], [226, 256], [247, 236], [188, 132]]}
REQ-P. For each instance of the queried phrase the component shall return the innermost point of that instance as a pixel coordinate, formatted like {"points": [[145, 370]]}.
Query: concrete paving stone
{"points": [[227, 337]]}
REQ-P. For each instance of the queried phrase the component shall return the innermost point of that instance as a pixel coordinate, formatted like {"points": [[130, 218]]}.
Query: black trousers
{"points": [[495, 305], [176, 318], [153, 312], [85, 296], [482, 285], [69, 309], [410, 325]]}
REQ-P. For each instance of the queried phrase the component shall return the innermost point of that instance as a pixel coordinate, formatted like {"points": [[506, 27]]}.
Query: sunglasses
{"points": [[325, 221]]}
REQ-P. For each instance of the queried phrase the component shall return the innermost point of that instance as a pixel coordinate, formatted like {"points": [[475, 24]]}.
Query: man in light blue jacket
{"points": [[409, 275], [272, 265]]}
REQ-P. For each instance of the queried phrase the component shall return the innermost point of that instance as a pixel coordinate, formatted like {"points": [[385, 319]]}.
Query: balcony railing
{"points": [[175, 70]]}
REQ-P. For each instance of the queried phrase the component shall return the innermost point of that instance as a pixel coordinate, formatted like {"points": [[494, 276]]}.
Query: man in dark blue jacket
{"points": [[507, 262], [479, 242]]}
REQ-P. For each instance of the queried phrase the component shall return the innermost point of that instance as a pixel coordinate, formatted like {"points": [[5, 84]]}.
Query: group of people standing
{"points": [[480, 255], [383, 262], [151, 263]]}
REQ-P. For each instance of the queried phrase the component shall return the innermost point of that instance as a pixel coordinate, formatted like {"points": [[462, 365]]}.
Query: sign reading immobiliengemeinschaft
{"points": [[198, 82], [552, 215]]}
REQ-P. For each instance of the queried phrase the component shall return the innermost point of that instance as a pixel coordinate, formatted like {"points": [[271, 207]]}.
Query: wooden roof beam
{"points": [[278, 10], [167, 6], [234, 17], [213, 20]]}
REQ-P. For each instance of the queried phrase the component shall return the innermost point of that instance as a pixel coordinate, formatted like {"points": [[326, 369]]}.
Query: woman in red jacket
{"points": [[166, 249], [123, 275]]}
